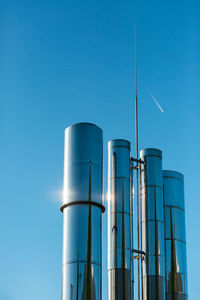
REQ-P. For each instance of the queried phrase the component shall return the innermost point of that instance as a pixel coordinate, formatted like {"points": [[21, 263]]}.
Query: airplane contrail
{"points": [[156, 102]]}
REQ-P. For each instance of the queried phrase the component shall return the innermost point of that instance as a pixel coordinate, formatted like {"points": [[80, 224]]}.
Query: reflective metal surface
{"points": [[175, 241], [152, 225], [119, 234], [82, 221], [132, 232]]}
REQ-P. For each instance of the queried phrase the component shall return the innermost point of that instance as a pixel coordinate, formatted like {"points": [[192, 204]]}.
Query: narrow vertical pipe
{"points": [[119, 217], [138, 201], [142, 257], [82, 212], [137, 155], [132, 231], [175, 238], [152, 225]]}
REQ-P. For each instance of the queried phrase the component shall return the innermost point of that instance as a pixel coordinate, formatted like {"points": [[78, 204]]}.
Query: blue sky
{"points": [[64, 62]]}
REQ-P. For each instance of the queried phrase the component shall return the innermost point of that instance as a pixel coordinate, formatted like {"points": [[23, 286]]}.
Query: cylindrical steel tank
{"points": [[119, 234], [82, 212], [152, 225], [175, 240]]}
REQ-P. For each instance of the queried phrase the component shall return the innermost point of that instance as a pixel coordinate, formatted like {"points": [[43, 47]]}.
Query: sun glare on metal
{"points": [[56, 195]]}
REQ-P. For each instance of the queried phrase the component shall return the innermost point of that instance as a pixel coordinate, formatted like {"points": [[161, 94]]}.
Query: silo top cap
{"points": [[173, 174], [82, 124], [119, 143], [151, 152]]}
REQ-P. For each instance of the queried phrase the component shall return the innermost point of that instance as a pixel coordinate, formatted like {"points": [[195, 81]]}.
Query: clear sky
{"points": [[63, 62]]}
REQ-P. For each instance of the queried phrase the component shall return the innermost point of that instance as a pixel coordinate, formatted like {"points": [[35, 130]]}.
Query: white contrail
{"points": [[156, 102]]}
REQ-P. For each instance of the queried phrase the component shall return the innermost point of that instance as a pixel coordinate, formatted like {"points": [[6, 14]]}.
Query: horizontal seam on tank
{"points": [[109, 248], [151, 185], [152, 220], [119, 212], [120, 146], [118, 269], [174, 239], [80, 261], [163, 276], [173, 177], [83, 162], [181, 273], [119, 177], [168, 292], [154, 155], [82, 202], [174, 206], [160, 255]]}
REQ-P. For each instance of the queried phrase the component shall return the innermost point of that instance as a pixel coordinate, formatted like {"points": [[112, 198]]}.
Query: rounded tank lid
{"points": [[151, 152], [173, 174], [119, 143], [82, 124]]}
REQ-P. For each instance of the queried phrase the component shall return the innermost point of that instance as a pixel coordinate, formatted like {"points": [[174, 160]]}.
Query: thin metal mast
{"points": [[137, 154]]}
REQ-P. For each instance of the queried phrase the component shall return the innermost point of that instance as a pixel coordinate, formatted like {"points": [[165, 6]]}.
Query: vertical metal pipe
{"points": [[119, 234], [175, 239], [152, 225], [132, 232], [137, 155], [138, 199], [82, 212]]}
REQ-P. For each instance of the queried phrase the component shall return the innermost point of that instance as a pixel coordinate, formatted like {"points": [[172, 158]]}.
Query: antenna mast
{"points": [[136, 99], [137, 157]]}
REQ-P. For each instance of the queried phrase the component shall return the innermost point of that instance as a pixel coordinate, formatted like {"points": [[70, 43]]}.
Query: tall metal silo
{"points": [[175, 239], [152, 225], [82, 212], [119, 234]]}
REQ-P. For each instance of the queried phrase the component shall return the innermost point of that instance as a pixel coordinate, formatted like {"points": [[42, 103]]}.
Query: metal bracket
{"points": [[135, 168], [138, 257], [141, 254], [138, 252], [137, 160], [114, 228]]}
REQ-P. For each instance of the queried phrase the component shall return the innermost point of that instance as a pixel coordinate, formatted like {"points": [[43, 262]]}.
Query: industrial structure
{"points": [[157, 224], [161, 255]]}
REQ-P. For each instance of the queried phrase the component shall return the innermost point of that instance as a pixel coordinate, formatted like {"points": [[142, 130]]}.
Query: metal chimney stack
{"points": [[175, 240], [82, 212], [119, 234], [152, 225]]}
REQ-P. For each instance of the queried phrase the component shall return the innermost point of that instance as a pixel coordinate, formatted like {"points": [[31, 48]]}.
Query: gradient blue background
{"points": [[63, 62]]}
